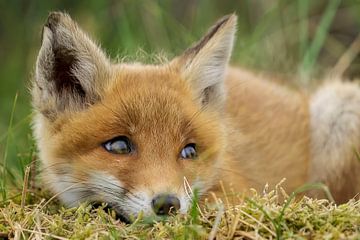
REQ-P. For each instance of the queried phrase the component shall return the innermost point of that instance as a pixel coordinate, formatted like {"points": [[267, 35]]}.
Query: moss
{"points": [[255, 217]]}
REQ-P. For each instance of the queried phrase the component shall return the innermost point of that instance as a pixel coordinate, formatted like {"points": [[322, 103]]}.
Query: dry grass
{"points": [[260, 216]]}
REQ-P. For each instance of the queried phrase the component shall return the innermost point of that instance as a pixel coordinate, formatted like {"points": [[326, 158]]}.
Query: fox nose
{"points": [[165, 204]]}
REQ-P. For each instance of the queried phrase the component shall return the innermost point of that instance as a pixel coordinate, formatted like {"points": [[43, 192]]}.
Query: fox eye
{"points": [[118, 145], [189, 151]]}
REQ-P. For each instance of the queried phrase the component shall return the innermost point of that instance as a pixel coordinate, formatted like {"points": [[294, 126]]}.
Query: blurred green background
{"points": [[288, 37]]}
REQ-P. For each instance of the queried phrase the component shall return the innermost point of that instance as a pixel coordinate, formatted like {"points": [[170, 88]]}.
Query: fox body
{"points": [[144, 137]]}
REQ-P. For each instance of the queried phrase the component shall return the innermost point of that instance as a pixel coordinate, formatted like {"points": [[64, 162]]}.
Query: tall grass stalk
{"points": [[316, 45], [4, 170], [303, 10]]}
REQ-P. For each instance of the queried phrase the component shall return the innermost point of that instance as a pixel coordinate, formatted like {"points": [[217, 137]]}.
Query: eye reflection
{"points": [[189, 151], [118, 145]]}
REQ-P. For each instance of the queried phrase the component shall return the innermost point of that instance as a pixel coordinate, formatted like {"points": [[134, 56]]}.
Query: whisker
{"points": [[117, 193]]}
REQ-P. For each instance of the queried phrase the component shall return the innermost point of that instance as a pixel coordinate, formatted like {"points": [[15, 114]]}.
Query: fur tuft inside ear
{"points": [[203, 66], [71, 71]]}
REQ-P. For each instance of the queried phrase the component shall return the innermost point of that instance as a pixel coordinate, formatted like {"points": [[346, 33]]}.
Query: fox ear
{"points": [[204, 65], [71, 71]]}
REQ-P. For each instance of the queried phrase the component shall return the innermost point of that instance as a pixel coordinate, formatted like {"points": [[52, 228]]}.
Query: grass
{"points": [[313, 51], [279, 36], [260, 216], [4, 164]]}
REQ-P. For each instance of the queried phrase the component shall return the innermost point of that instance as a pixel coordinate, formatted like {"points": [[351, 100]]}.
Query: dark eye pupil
{"points": [[119, 145], [189, 152]]}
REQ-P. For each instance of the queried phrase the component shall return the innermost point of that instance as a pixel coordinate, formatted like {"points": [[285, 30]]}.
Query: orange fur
{"points": [[248, 131]]}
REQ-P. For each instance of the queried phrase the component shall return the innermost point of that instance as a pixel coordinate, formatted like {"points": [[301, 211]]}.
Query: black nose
{"points": [[165, 204]]}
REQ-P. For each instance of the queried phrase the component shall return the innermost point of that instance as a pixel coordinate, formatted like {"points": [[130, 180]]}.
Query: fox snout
{"points": [[165, 204]]}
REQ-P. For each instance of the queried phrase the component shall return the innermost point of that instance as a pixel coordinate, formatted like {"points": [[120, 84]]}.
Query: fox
{"points": [[131, 135]]}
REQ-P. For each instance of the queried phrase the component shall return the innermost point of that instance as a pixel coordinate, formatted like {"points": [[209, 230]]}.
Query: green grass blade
{"points": [[312, 53], [303, 26], [4, 165]]}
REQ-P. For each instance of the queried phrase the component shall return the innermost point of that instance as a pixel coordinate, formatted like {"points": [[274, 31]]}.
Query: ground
{"points": [[36, 215]]}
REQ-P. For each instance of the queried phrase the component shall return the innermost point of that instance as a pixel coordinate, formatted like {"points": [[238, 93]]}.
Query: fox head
{"points": [[141, 138]]}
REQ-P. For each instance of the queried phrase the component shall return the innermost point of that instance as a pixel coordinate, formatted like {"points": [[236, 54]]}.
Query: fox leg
{"points": [[335, 138]]}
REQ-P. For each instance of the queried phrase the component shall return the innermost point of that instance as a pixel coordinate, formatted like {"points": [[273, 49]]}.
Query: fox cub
{"points": [[130, 135]]}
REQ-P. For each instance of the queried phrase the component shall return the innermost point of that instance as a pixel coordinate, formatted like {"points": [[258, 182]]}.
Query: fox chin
{"points": [[144, 138]]}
